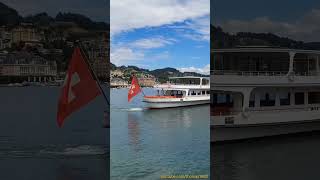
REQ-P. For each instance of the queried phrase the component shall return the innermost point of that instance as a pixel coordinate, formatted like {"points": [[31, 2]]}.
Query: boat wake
{"points": [[134, 109], [83, 150]]}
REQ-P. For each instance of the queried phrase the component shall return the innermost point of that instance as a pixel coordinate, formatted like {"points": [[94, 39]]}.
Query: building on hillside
{"points": [[24, 66], [5, 38], [97, 48], [27, 34], [147, 81], [118, 83], [116, 73]]}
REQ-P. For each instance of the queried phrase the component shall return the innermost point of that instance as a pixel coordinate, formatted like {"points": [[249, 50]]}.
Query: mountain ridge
{"points": [[222, 39], [161, 74], [10, 17]]}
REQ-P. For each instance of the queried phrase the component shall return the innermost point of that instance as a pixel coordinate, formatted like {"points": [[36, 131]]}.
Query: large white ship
{"points": [[180, 91], [263, 91]]}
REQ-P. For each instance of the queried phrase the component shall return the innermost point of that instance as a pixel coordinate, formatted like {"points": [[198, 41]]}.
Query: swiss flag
{"points": [[79, 87], [134, 88]]}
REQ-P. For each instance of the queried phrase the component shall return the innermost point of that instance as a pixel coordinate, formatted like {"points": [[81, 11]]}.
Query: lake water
{"points": [[33, 147], [146, 144], [292, 157]]}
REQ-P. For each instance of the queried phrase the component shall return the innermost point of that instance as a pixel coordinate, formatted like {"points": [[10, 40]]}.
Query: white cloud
{"points": [[150, 43], [200, 29], [205, 70], [306, 28], [136, 51], [123, 55], [127, 15]]}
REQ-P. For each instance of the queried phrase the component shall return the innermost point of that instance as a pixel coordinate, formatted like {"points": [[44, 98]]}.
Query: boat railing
{"points": [[260, 73], [315, 107], [229, 112]]}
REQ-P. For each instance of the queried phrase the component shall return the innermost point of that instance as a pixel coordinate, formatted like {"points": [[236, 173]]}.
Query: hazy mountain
{"points": [[221, 39], [161, 74], [8, 16]]}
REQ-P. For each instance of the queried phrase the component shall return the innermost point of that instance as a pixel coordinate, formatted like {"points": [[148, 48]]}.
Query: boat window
{"points": [[267, 99], [251, 101], [199, 93], [284, 98], [222, 99], [208, 92], [314, 97], [205, 81], [182, 81], [299, 98], [250, 62], [304, 64], [192, 93]]}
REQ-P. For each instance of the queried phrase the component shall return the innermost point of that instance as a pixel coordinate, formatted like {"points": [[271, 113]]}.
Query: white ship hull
{"points": [[241, 132], [157, 103], [263, 124]]}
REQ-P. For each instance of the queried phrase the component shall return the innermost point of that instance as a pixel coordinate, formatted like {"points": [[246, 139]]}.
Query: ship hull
{"points": [[158, 103], [225, 133]]}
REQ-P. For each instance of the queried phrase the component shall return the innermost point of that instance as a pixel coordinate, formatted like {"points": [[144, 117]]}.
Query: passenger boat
{"points": [[264, 91], [180, 91]]}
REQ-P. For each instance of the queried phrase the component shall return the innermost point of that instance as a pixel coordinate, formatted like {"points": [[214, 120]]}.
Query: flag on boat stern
{"points": [[79, 87], [134, 88]]}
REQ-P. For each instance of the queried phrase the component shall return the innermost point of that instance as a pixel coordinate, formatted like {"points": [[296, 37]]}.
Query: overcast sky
{"points": [[296, 19], [97, 10]]}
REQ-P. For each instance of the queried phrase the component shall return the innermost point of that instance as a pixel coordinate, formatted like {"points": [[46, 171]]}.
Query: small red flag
{"points": [[134, 88], [79, 87]]}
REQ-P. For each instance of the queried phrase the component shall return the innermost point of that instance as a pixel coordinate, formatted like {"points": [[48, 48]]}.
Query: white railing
{"points": [[269, 109], [249, 73], [260, 73]]}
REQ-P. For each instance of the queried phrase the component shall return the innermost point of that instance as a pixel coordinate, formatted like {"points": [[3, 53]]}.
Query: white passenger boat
{"points": [[180, 91], [258, 92]]}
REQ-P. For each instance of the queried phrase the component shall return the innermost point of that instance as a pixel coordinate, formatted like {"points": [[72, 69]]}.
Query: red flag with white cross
{"points": [[134, 88], [79, 87]]}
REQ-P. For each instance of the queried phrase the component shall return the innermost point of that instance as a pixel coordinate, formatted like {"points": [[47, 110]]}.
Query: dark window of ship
{"points": [[314, 97], [299, 98], [284, 99], [268, 99]]}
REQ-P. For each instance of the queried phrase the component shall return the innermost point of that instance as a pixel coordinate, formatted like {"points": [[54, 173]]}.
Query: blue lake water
{"points": [[146, 144], [33, 147]]}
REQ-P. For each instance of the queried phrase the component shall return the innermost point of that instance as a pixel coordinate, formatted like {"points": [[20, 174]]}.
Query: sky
{"points": [[97, 10], [155, 34], [295, 19]]}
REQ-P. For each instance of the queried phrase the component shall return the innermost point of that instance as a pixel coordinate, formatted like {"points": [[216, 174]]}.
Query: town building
{"points": [[118, 83], [97, 48], [116, 73], [5, 38], [147, 81], [26, 67], [27, 34]]}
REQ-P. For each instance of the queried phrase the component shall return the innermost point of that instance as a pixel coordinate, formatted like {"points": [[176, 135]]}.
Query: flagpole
{"points": [[94, 74]]}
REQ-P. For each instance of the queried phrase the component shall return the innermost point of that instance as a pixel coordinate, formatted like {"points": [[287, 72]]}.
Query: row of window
{"points": [[299, 99], [194, 93], [269, 99]]}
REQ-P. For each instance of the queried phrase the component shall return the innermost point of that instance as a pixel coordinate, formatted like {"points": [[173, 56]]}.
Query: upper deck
{"points": [[187, 82], [262, 66]]}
